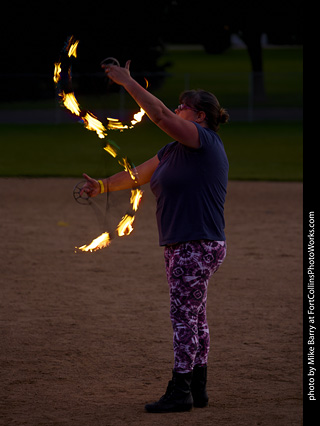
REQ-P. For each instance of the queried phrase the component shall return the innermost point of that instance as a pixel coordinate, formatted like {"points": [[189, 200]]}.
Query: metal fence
{"points": [[247, 96]]}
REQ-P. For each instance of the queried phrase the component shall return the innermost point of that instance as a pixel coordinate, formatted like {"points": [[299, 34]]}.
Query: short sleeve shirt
{"points": [[190, 186]]}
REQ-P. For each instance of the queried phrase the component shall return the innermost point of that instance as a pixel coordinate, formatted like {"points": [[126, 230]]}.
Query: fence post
{"points": [[251, 97]]}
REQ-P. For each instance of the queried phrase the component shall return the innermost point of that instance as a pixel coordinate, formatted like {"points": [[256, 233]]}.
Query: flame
{"points": [[138, 117], [115, 124], [92, 123], [57, 71], [98, 243], [110, 150], [125, 225], [136, 195], [72, 48], [70, 102], [128, 168]]}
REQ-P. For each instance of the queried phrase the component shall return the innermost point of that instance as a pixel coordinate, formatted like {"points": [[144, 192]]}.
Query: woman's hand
{"points": [[178, 128], [91, 187], [117, 74]]}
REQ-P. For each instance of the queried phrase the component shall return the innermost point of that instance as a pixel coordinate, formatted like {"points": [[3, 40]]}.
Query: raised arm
{"points": [[176, 127], [121, 180]]}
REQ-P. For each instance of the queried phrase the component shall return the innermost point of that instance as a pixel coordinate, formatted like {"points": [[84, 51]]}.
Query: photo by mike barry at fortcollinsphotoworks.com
{"points": [[310, 340]]}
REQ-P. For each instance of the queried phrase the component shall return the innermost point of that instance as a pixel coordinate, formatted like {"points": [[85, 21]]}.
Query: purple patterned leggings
{"points": [[189, 267]]}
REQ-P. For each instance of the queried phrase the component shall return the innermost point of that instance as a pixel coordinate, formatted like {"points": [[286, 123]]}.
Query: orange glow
{"points": [[128, 168], [57, 71], [110, 150], [71, 103], [92, 123], [73, 48], [98, 243], [125, 225], [136, 195], [115, 124], [138, 117]]}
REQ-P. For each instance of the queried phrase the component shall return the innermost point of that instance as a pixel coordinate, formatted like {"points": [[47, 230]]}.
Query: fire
{"points": [[128, 168], [110, 150], [98, 243], [92, 123], [72, 48], [57, 71], [115, 124], [71, 103], [136, 195], [125, 225], [138, 117]]}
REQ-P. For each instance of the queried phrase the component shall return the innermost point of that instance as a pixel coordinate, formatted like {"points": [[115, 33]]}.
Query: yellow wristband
{"points": [[101, 186]]}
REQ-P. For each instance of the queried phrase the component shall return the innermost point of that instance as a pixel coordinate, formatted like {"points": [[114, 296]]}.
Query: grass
{"points": [[69, 149], [260, 151], [227, 75], [256, 151], [264, 151]]}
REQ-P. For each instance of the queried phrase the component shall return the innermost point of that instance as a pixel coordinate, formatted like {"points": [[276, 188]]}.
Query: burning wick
{"points": [[92, 123], [98, 243]]}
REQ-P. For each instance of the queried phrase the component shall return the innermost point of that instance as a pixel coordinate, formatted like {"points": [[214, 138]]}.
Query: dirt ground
{"points": [[86, 338]]}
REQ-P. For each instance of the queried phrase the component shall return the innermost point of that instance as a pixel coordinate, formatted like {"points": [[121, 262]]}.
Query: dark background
{"points": [[33, 34]]}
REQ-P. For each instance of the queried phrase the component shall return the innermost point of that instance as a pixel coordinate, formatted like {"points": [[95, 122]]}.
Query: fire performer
{"points": [[189, 180]]}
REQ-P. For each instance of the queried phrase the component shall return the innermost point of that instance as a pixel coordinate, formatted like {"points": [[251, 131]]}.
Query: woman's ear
{"points": [[201, 117]]}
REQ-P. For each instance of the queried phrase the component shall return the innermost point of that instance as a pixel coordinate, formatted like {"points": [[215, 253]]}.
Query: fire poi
{"points": [[63, 80]]}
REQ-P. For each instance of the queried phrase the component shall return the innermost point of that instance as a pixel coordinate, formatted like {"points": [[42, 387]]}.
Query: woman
{"points": [[189, 180]]}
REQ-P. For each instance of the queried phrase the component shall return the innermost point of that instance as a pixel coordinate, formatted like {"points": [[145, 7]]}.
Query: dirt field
{"points": [[86, 338]]}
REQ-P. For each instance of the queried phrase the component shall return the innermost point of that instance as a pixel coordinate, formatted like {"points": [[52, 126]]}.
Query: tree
{"points": [[211, 23]]}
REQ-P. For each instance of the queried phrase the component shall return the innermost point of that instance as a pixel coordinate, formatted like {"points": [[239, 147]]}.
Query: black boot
{"points": [[177, 398], [198, 387]]}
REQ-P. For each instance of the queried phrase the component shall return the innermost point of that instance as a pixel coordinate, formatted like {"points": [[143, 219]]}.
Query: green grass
{"points": [[227, 75], [261, 151], [234, 60], [256, 151], [70, 149], [264, 151]]}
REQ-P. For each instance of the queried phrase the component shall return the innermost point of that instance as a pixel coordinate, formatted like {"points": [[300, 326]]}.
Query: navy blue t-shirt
{"points": [[190, 186]]}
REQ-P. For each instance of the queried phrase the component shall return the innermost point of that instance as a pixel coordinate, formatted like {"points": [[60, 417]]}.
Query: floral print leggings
{"points": [[189, 266]]}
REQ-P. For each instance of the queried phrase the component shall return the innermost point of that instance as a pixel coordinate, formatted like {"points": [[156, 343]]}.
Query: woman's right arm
{"points": [[121, 180], [176, 127]]}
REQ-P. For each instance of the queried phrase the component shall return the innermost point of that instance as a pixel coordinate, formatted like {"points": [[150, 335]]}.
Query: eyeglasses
{"points": [[184, 106]]}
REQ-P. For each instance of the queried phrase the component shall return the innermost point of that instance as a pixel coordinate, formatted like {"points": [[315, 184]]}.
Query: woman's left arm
{"points": [[176, 127]]}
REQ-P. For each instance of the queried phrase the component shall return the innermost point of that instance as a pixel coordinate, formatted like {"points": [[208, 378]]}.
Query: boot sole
{"points": [[176, 409], [201, 404]]}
